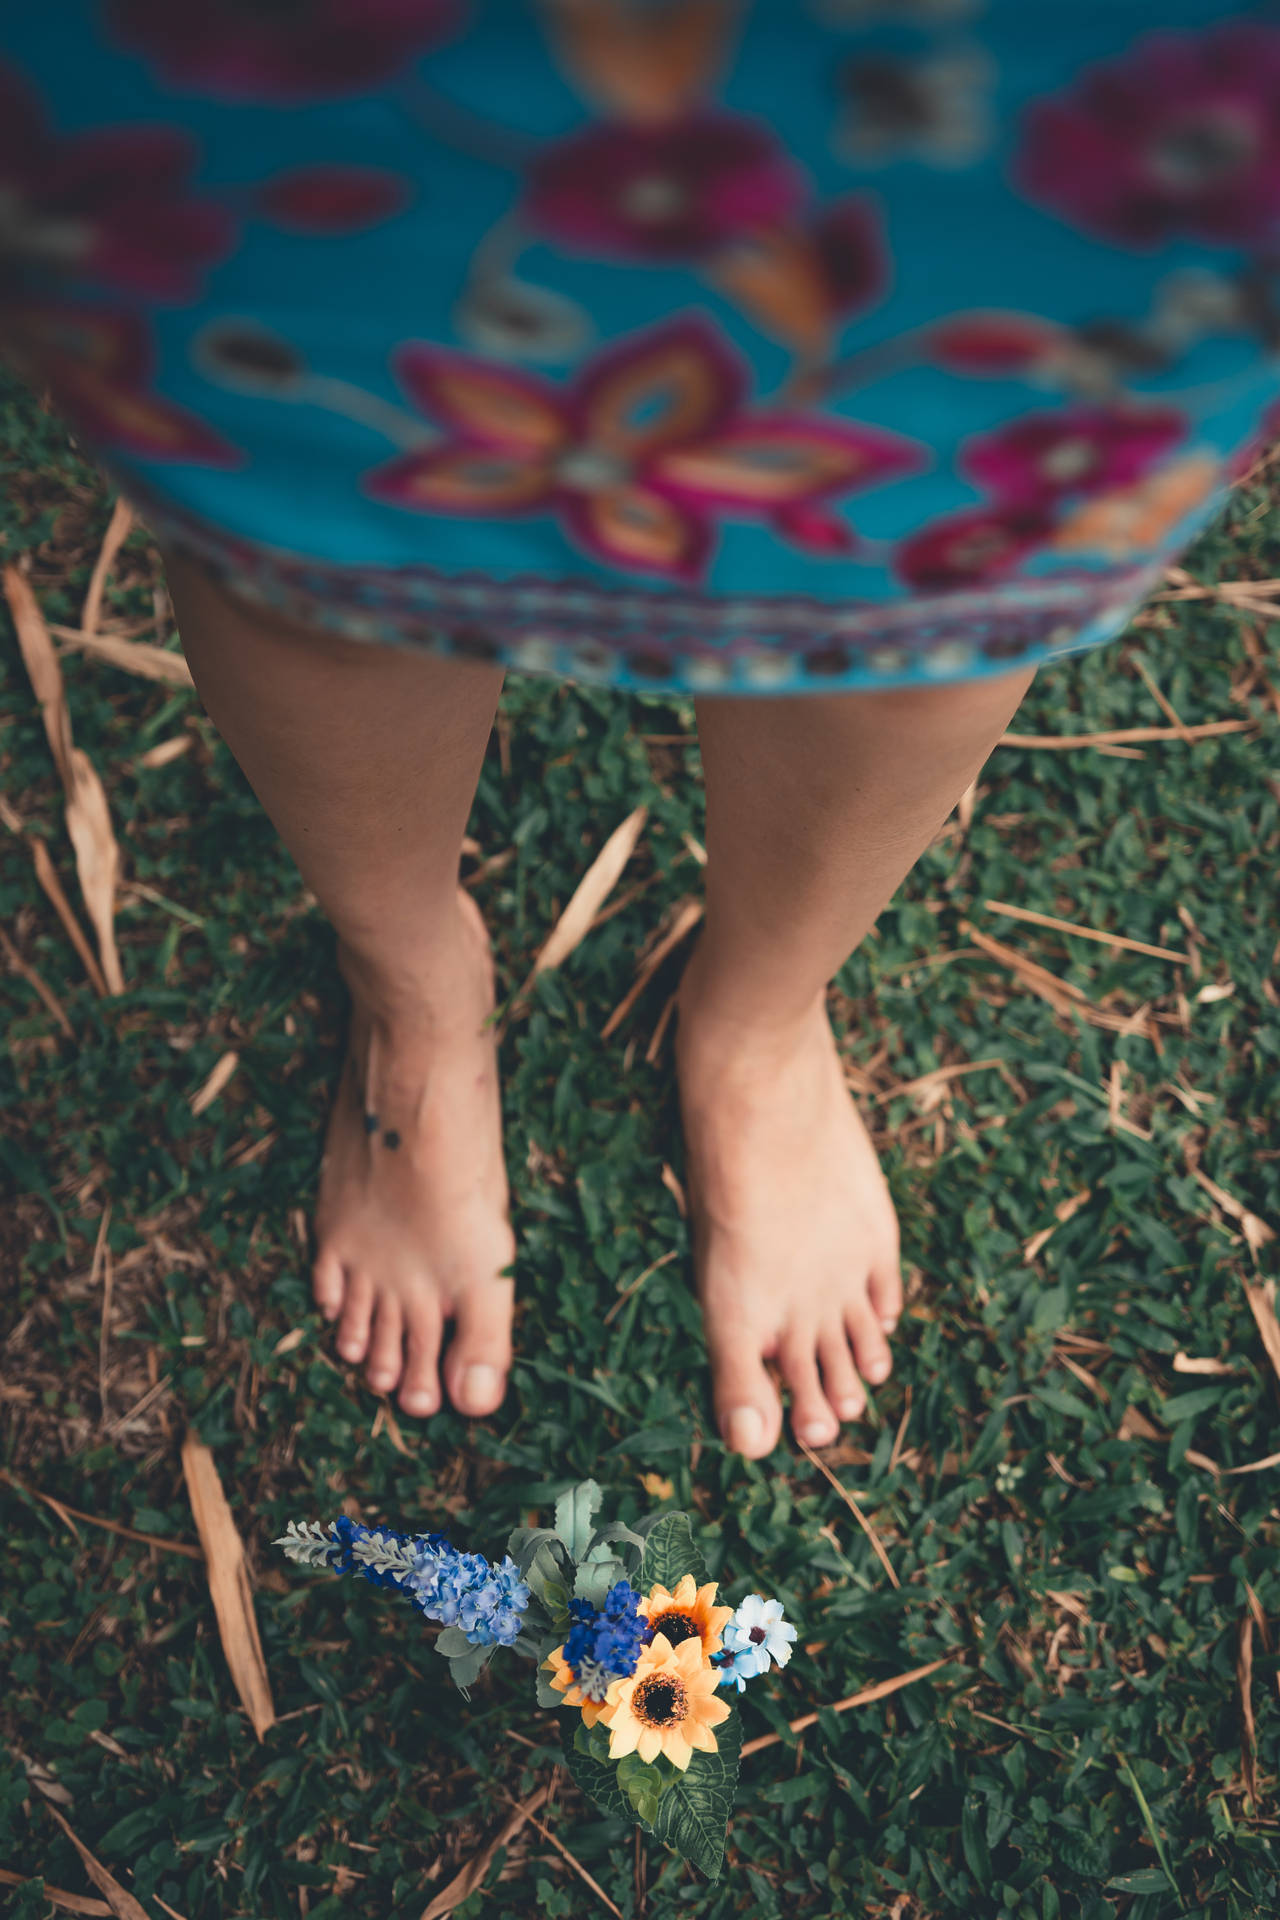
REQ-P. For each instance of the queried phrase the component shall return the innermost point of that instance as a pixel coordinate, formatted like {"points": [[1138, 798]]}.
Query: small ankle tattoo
{"points": [[371, 1123], [391, 1138]]}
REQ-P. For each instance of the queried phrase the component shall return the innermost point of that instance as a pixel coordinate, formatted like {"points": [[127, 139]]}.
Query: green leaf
{"points": [[624, 1538], [1082, 1854], [669, 1553], [548, 1696], [452, 1642], [598, 1780], [547, 1579], [693, 1813], [973, 1841], [574, 1511], [1145, 1880], [465, 1669]]}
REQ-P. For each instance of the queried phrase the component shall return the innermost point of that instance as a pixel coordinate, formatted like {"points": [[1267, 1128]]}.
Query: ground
{"points": [[1060, 1471]]}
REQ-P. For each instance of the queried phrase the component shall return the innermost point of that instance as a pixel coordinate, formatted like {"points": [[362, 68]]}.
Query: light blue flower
{"points": [[737, 1666], [758, 1623]]}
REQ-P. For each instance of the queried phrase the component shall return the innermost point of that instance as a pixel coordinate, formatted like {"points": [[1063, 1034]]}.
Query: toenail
{"points": [[879, 1369], [888, 1321], [815, 1435], [419, 1403], [380, 1381], [330, 1308], [351, 1350], [479, 1385], [744, 1429], [850, 1409]]}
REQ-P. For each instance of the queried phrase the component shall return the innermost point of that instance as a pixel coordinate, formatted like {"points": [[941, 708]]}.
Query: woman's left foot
{"points": [[795, 1235]]}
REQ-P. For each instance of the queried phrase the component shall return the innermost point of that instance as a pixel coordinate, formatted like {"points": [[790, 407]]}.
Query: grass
{"points": [[1054, 1492]]}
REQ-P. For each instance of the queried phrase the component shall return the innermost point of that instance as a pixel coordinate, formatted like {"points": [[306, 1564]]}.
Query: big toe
{"points": [[480, 1354], [748, 1411]]}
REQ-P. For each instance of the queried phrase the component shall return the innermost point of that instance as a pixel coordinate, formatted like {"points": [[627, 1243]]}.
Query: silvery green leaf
{"points": [[531, 1541], [453, 1643], [596, 1576], [548, 1696], [574, 1510], [387, 1555], [310, 1544], [624, 1540], [465, 1669], [545, 1578]]}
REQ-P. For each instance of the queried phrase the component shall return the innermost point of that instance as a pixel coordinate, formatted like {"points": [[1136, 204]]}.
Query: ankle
{"points": [[423, 975], [720, 1009]]}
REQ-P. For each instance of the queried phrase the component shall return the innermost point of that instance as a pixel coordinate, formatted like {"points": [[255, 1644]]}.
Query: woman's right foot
{"points": [[411, 1222]]}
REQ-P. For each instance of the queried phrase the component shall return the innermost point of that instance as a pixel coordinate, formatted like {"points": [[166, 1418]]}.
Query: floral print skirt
{"points": [[672, 344]]}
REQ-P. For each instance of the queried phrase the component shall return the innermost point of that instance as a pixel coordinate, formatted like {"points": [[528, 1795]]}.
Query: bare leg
{"points": [[366, 759], [816, 809]]}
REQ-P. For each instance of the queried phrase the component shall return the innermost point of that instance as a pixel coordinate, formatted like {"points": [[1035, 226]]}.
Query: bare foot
{"points": [[795, 1236], [411, 1223]]}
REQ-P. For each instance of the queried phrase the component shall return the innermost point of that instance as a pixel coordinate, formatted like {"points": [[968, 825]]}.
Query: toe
{"points": [[811, 1417], [480, 1353], [844, 1390], [748, 1411], [328, 1285], [420, 1388], [884, 1291], [357, 1312], [870, 1348], [386, 1345]]}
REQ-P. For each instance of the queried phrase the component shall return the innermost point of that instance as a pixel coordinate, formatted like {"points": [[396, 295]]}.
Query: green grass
{"points": [[1055, 1541]]}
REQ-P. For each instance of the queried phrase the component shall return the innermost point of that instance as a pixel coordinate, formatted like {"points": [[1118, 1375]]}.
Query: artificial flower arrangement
{"points": [[623, 1624]]}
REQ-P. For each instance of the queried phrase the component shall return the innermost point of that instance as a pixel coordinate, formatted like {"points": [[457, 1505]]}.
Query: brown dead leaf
{"points": [[1184, 1363], [88, 815], [1134, 1425], [384, 1421], [119, 1901], [216, 1081], [229, 1587], [471, 1876], [52, 888], [594, 888], [164, 751], [118, 530], [289, 1341], [69, 1902], [671, 1181]]}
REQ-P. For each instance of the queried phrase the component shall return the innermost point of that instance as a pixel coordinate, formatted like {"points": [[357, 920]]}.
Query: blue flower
{"points": [[606, 1641], [759, 1623], [736, 1668], [457, 1589]]}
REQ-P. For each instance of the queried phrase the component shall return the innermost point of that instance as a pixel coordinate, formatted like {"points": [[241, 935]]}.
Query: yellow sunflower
{"points": [[686, 1611], [668, 1705], [563, 1681]]}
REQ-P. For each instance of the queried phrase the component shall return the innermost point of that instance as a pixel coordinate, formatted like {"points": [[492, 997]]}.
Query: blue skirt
{"points": [[674, 344]]}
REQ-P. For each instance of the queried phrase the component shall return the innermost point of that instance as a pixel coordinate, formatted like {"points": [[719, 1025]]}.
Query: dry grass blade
{"points": [[575, 1863], [928, 1089], [855, 1510], [51, 887], [132, 656], [1086, 933], [118, 1900], [594, 888], [687, 916], [69, 1516], [102, 1258], [1185, 1363], [1065, 999], [1262, 1304], [69, 1902], [45, 993], [1127, 736], [118, 530], [635, 1285], [880, 1691], [216, 1081], [88, 816], [466, 1882], [1244, 1675], [228, 1583]]}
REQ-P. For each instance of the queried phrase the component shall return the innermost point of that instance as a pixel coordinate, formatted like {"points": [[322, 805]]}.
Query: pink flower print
{"points": [[970, 548], [332, 199], [98, 365], [301, 50], [994, 345], [638, 457], [112, 205], [673, 190], [1042, 456], [1180, 136]]}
